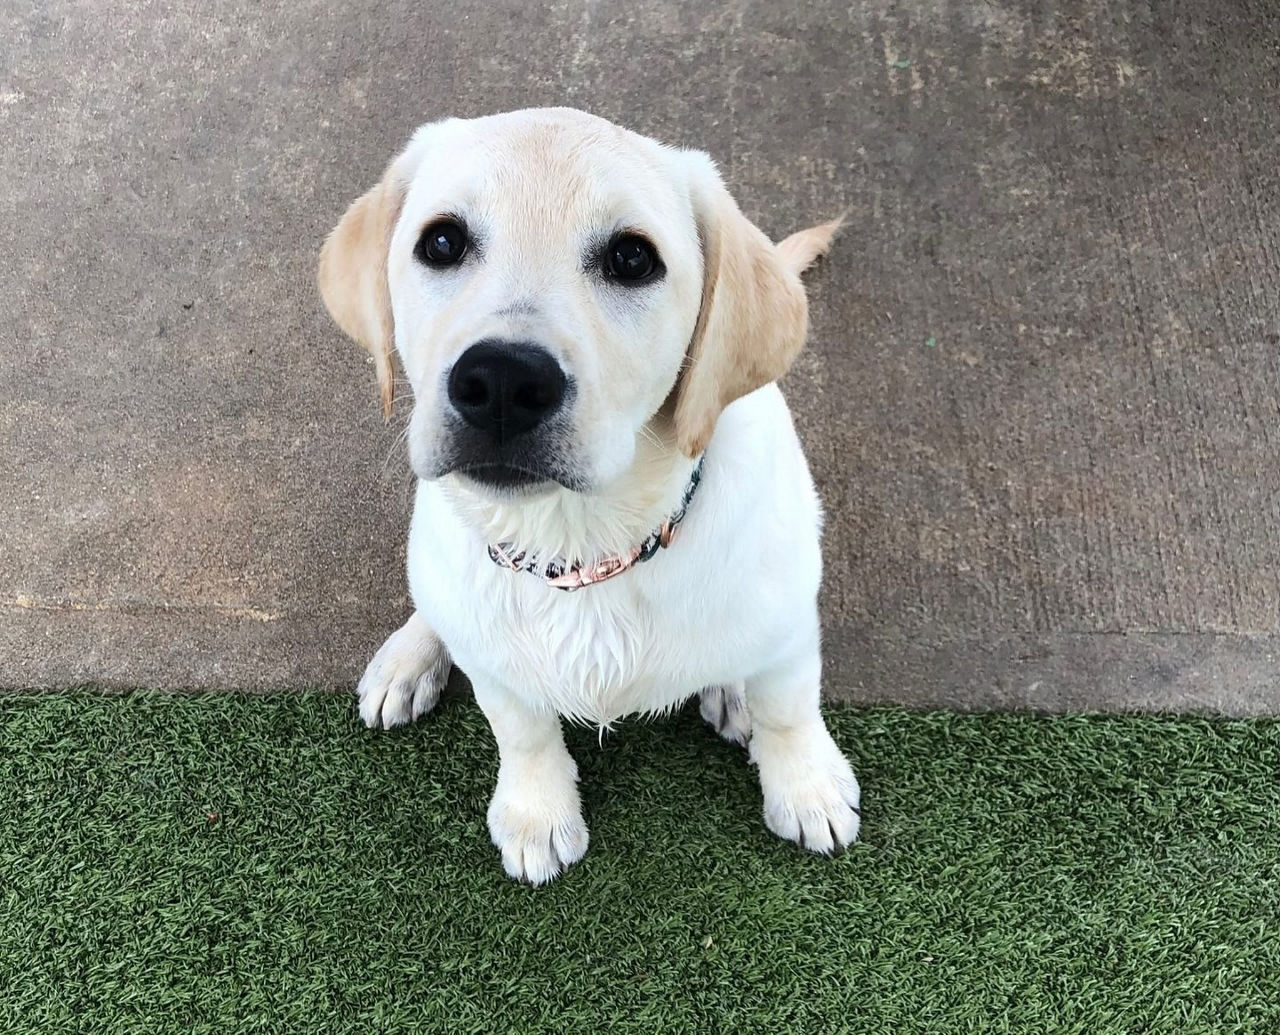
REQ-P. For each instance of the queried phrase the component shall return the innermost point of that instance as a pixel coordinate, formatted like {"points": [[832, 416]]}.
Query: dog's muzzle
{"points": [[508, 396]]}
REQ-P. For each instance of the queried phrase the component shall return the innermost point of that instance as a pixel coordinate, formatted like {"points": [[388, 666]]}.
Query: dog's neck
{"points": [[580, 527]]}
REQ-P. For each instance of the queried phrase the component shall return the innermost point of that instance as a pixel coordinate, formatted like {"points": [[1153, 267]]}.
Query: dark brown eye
{"points": [[443, 243], [631, 258]]}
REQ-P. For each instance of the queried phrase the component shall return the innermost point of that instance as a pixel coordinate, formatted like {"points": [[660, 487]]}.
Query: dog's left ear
{"points": [[754, 314], [353, 273]]}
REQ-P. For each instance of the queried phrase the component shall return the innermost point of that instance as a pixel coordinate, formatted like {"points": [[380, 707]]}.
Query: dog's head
{"points": [[556, 288]]}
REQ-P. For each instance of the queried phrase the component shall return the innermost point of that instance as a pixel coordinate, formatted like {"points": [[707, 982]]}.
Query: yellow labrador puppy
{"points": [[613, 511]]}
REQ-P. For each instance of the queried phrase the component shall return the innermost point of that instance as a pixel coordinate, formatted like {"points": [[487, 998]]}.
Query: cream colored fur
{"points": [[682, 368]]}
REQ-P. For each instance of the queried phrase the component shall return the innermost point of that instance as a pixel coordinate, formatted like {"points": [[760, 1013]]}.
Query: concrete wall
{"points": [[1041, 396]]}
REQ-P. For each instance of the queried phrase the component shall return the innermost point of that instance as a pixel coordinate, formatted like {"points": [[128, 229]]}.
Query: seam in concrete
{"points": [[1217, 633], [997, 638], [27, 603]]}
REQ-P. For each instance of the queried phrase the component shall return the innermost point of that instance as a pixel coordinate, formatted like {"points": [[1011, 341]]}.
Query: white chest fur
{"points": [[713, 608]]}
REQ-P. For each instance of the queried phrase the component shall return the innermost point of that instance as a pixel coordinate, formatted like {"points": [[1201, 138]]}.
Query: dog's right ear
{"points": [[353, 273], [754, 314]]}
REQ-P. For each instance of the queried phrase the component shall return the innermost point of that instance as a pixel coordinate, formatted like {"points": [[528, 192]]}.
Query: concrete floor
{"points": [[1042, 396]]}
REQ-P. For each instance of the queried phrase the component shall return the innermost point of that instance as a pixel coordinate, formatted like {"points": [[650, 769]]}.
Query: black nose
{"points": [[506, 388]]}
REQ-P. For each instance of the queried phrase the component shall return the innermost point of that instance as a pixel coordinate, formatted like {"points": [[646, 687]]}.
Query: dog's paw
{"points": [[810, 793], [538, 827], [725, 710], [404, 679]]}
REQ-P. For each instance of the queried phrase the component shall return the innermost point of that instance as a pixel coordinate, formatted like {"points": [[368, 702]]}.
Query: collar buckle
{"points": [[590, 574]]}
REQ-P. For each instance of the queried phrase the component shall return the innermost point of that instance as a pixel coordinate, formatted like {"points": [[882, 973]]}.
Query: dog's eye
{"points": [[443, 243], [630, 257]]}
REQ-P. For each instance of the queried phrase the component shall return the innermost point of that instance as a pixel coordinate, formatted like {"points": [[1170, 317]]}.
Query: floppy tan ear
{"points": [[754, 314], [353, 274]]}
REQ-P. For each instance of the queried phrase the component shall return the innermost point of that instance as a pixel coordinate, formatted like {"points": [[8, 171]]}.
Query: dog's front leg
{"points": [[405, 677], [535, 817], [810, 793]]}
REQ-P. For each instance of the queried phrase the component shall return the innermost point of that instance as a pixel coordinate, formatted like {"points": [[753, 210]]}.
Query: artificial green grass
{"points": [[264, 864]]}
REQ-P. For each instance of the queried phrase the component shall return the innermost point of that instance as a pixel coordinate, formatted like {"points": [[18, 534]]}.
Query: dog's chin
{"points": [[506, 481]]}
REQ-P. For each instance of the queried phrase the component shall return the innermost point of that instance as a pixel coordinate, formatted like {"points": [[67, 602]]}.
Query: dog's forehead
{"points": [[550, 167]]}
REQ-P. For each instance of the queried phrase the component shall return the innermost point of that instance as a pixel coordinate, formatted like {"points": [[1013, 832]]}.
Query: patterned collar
{"points": [[560, 574]]}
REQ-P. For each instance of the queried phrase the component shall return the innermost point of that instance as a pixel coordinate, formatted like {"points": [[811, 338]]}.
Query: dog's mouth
{"points": [[507, 477], [527, 466]]}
